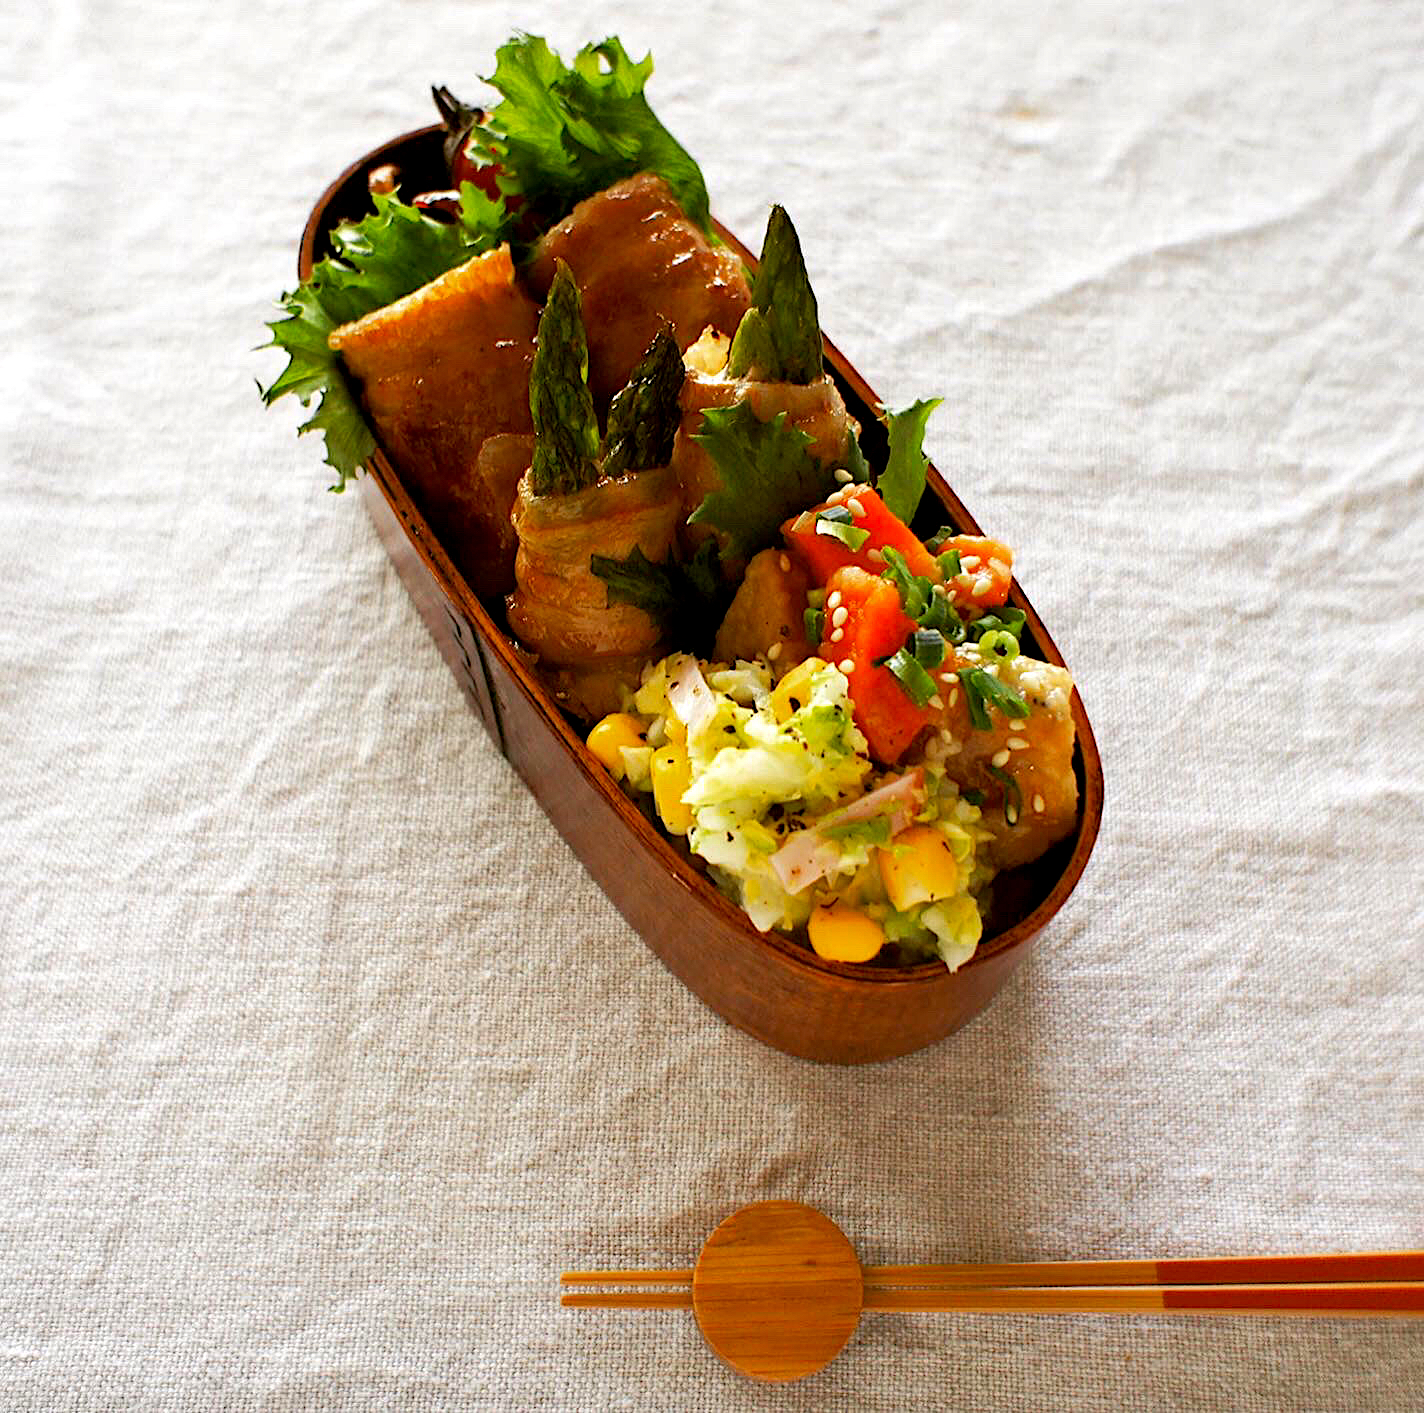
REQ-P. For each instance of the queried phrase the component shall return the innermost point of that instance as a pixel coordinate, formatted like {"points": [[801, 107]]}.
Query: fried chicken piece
{"points": [[441, 371], [639, 263], [768, 611], [1034, 752]]}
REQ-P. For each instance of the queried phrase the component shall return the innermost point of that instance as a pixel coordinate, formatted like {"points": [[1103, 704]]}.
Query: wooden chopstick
{"points": [[1397, 1298], [1351, 1283], [628, 1299], [1404, 1298], [626, 1278], [1355, 1267]]}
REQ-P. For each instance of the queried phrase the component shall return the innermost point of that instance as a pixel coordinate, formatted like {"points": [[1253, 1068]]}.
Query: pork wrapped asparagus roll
{"points": [[582, 498], [773, 364]]}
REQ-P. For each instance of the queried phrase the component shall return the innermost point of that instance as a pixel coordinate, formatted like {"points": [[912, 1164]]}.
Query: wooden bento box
{"points": [[763, 983]]}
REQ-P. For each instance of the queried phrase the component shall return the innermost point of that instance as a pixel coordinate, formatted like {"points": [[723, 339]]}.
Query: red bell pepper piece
{"points": [[875, 627], [824, 554], [983, 562]]}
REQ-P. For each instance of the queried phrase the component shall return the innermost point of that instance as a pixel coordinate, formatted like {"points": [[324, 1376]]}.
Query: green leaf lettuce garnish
{"points": [[388, 255], [563, 132], [902, 483], [767, 474], [686, 600]]}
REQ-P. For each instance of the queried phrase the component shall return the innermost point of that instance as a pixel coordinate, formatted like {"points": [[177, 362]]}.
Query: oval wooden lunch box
{"points": [[763, 983]]}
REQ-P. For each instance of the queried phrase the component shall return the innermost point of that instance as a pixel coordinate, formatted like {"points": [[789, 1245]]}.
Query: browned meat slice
{"points": [[767, 618], [442, 370], [589, 647], [639, 262]]}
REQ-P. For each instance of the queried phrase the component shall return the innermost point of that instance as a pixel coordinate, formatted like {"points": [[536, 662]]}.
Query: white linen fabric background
{"points": [[320, 1055]]}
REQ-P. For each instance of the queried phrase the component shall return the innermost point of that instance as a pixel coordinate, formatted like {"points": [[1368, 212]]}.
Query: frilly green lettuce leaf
{"points": [[391, 253]]}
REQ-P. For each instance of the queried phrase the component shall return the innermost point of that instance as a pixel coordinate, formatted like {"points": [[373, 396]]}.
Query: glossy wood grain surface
{"points": [[766, 984]]}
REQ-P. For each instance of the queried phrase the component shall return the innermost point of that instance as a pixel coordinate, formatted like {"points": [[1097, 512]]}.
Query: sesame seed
{"points": [[937, 702], [982, 585], [773, 652], [945, 736], [875, 556], [1016, 743], [783, 563], [970, 562], [843, 476], [846, 665], [855, 507], [999, 759], [839, 616], [837, 634], [1038, 804], [999, 567], [954, 697]]}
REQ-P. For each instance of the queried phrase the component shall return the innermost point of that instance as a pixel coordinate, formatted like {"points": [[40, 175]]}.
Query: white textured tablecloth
{"points": [[320, 1055]]}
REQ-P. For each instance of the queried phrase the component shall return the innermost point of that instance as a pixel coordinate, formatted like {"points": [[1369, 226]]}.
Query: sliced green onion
{"points": [[1013, 796], [837, 524], [945, 532], [982, 690], [1005, 620], [949, 564], [927, 646], [815, 621], [916, 683], [915, 591], [997, 643], [941, 614]]}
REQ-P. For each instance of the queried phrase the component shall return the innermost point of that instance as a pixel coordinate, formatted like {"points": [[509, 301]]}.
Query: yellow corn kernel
{"points": [[671, 776], [608, 738], [840, 933], [794, 690], [918, 866]]}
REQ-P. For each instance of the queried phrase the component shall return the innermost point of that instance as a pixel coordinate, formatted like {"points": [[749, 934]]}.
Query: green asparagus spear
{"points": [[779, 338], [565, 425]]}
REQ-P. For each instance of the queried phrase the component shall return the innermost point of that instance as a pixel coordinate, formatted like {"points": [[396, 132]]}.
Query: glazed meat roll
{"points": [[639, 263], [441, 371]]}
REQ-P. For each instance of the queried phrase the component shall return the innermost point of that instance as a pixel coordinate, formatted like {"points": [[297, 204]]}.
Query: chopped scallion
{"points": [[1013, 796], [1005, 620], [999, 644], [981, 690], [838, 523], [916, 683], [927, 646], [815, 621]]}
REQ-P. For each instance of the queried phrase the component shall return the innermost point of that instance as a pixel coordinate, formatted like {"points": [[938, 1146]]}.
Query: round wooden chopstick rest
{"points": [[777, 1291]]}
